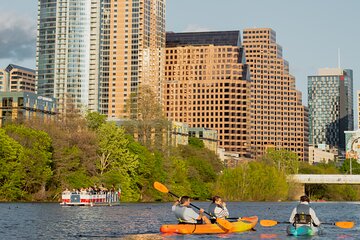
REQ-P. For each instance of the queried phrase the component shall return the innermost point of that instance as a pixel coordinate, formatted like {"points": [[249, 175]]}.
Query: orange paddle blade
{"points": [[345, 224], [268, 223], [224, 223], [161, 187]]}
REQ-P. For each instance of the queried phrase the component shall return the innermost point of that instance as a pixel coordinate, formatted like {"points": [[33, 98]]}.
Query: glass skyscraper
{"points": [[331, 111]]}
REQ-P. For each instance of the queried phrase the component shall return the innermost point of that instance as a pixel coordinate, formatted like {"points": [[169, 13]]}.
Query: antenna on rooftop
{"points": [[339, 63]]}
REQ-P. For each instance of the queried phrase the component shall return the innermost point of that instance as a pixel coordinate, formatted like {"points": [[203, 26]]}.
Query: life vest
{"points": [[302, 215]]}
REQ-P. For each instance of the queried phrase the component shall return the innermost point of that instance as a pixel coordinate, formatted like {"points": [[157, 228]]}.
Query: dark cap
{"points": [[304, 199]]}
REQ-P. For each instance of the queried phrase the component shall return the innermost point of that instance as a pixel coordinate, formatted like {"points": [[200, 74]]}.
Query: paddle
{"points": [[222, 222], [271, 223]]}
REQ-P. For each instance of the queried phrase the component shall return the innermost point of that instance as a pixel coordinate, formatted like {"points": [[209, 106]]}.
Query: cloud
{"points": [[196, 28], [17, 37]]}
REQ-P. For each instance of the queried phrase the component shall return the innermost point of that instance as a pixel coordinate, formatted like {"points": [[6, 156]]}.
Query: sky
{"points": [[311, 32]]}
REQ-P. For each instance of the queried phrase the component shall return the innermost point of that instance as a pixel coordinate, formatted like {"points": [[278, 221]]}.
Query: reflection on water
{"points": [[142, 221]]}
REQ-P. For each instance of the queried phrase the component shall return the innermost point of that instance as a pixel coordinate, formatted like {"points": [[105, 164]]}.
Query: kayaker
{"points": [[303, 214], [185, 214], [218, 208]]}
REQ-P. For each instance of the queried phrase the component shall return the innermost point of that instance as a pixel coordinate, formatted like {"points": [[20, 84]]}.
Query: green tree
{"points": [[116, 164], [284, 160], [196, 142], [95, 120], [355, 166], [11, 171], [36, 160]]}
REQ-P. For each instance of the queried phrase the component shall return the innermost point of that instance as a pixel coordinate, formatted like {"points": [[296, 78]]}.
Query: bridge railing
{"points": [[324, 178]]}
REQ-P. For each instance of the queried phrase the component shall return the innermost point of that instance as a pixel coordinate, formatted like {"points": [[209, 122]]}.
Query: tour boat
{"points": [[84, 198], [243, 224]]}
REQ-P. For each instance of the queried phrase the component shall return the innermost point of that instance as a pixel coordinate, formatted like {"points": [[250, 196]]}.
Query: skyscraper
{"points": [[94, 54], [207, 85], [330, 106], [278, 118]]}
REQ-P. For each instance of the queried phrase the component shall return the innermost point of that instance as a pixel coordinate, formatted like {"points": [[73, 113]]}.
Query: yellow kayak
{"points": [[242, 225]]}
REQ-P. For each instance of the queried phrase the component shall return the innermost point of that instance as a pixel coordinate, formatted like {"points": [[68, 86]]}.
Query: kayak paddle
{"points": [[222, 222], [271, 223]]}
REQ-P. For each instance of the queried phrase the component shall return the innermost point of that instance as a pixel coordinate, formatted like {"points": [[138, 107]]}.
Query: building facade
{"points": [[278, 117], [93, 54], [16, 78], [207, 85], [25, 105], [330, 94]]}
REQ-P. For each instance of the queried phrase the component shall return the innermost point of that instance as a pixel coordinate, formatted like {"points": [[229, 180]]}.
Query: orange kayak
{"points": [[242, 225]]}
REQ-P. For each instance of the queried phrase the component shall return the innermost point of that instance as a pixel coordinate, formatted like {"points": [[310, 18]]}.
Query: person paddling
{"points": [[218, 208], [185, 214], [303, 214]]}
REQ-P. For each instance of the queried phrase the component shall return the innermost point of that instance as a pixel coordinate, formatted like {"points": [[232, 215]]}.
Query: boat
{"points": [[85, 198], [303, 230], [241, 225]]}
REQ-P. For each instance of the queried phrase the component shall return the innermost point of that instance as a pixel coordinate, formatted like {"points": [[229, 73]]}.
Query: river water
{"points": [[143, 220]]}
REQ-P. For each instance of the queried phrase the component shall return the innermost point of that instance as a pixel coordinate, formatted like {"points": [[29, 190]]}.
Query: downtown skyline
{"points": [[308, 31]]}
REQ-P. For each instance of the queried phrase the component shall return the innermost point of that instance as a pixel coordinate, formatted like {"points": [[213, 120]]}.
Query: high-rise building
{"points": [[15, 78], [94, 54], [207, 85], [278, 118], [331, 111]]}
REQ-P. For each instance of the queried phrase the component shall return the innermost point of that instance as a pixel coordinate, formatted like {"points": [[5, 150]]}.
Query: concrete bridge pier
{"points": [[296, 190]]}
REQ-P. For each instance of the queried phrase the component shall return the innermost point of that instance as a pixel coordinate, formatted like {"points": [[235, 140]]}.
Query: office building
{"points": [[207, 85], [278, 118], [16, 78], [19, 106], [330, 94], [94, 54]]}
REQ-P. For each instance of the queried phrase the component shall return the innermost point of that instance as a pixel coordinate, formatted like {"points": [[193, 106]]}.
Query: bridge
{"points": [[324, 179], [299, 181]]}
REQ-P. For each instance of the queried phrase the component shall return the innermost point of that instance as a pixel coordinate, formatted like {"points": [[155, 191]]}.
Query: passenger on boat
{"points": [[185, 214], [303, 214], [218, 208]]}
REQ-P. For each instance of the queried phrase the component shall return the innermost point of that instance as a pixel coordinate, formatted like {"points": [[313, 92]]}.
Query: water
{"points": [[143, 220]]}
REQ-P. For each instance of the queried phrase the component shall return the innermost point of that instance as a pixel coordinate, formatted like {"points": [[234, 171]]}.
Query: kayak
{"points": [[242, 225], [304, 230]]}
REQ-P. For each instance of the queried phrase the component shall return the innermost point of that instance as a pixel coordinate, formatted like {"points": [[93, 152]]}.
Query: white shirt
{"points": [[311, 212], [189, 214], [221, 212]]}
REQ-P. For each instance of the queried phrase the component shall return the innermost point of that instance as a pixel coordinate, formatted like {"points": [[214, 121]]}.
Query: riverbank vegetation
{"points": [[39, 160]]}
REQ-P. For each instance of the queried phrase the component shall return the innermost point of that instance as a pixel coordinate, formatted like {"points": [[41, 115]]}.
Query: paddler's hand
{"points": [[224, 204], [201, 211]]}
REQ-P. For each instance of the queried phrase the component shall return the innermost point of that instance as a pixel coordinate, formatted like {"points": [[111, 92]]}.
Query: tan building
{"points": [[207, 85], [17, 79], [321, 154], [277, 115], [133, 46]]}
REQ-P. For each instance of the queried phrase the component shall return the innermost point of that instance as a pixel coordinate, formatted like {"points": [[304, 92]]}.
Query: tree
{"points": [[284, 160], [36, 158], [116, 165], [147, 122], [196, 142], [11, 171], [95, 120]]}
